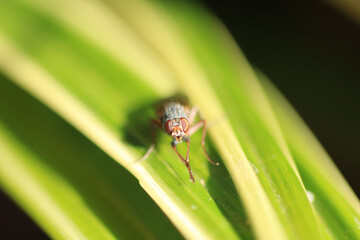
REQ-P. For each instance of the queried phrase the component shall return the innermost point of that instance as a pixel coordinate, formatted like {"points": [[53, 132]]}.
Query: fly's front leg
{"points": [[153, 124], [186, 162], [196, 127]]}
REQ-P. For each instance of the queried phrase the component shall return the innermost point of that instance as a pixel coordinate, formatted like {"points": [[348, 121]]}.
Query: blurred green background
{"points": [[311, 52]]}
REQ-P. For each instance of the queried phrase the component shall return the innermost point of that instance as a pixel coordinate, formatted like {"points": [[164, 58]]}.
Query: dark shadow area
{"points": [[15, 224], [108, 189], [137, 130]]}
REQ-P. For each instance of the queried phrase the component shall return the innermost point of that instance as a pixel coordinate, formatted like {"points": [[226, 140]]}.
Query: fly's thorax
{"points": [[174, 110]]}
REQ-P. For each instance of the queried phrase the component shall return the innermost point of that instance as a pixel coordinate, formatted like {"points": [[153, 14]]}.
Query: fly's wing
{"points": [[183, 100]]}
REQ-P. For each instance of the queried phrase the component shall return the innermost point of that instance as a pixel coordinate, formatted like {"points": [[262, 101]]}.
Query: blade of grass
{"points": [[252, 120], [71, 188], [247, 135], [189, 206], [166, 195], [111, 34], [252, 192], [334, 200]]}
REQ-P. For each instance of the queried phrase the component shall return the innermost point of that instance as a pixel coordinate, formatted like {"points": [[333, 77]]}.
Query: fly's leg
{"points": [[196, 127], [153, 124], [186, 162]]}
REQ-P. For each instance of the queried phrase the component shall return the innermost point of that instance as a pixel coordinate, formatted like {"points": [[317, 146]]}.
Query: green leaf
{"points": [[332, 197], [100, 65], [68, 76], [70, 187]]}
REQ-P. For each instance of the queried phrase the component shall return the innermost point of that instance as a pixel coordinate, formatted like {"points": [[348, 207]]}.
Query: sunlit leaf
{"points": [[101, 66]]}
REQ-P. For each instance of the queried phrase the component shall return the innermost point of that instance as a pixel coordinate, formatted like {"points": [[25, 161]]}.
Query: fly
{"points": [[177, 119]]}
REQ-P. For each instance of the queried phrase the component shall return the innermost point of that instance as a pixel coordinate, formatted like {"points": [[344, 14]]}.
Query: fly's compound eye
{"points": [[169, 126], [184, 124]]}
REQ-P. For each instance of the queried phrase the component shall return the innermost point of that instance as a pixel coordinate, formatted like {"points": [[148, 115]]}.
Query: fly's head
{"points": [[177, 128]]}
